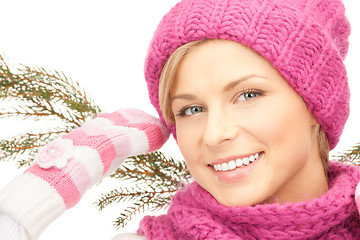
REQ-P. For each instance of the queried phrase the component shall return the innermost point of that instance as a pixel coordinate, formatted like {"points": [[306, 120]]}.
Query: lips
{"points": [[225, 171], [239, 162], [236, 163]]}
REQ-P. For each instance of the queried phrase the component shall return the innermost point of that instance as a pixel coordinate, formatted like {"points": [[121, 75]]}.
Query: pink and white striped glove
{"points": [[83, 157], [68, 166]]}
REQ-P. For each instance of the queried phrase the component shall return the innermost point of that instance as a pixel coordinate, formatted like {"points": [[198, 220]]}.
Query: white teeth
{"points": [[239, 162], [236, 163], [232, 165], [224, 167]]}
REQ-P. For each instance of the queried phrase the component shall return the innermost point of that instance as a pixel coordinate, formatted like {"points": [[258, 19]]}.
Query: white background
{"points": [[102, 45]]}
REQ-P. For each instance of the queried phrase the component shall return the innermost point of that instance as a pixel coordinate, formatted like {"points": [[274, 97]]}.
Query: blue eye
{"points": [[193, 110], [248, 95], [190, 111]]}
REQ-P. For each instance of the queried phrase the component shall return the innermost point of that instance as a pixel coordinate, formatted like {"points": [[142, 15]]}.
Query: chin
{"points": [[232, 201]]}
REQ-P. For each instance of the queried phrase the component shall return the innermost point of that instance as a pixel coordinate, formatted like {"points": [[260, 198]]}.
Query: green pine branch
{"points": [[153, 166], [155, 179], [351, 156], [45, 93], [142, 197], [37, 94], [24, 147]]}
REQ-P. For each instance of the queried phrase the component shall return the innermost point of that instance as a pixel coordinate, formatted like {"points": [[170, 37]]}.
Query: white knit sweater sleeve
{"points": [[10, 229], [32, 203]]}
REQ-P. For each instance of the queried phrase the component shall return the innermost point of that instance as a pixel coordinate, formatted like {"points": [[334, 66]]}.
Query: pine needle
{"points": [[155, 179], [37, 94], [351, 156]]}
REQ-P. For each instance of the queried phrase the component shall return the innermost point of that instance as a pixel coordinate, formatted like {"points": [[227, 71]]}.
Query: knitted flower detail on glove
{"points": [[55, 154]]}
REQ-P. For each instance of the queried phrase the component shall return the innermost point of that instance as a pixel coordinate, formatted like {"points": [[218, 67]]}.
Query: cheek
{"points": [[187, 139], [284, 127], [289, 144]]}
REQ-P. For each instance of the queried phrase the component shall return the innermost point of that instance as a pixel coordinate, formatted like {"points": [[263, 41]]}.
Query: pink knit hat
{"points": [[305, 40]]}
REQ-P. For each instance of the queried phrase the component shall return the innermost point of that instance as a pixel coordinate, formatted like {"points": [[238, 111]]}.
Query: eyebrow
{"points": [[184, 96], [232, 84], [227, 87]]}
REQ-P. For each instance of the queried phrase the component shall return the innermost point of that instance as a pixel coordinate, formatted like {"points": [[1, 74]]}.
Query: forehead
{"points": [[219, 60]]}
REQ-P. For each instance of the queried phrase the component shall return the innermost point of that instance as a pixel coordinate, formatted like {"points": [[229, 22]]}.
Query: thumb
{"points": [[155, 130]]}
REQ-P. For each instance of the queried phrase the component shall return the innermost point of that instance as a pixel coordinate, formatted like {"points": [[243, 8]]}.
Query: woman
{"points": [[256, 94]]}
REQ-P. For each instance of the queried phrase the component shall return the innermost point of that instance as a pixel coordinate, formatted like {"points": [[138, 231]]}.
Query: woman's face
{"points": [[246, 135]]}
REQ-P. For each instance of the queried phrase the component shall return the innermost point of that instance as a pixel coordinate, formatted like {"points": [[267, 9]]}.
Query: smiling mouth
{"points": [[237, 163]]}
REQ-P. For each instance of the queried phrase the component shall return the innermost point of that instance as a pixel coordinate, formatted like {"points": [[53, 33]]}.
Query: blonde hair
{"points": [[167, 78], [323, 147]]}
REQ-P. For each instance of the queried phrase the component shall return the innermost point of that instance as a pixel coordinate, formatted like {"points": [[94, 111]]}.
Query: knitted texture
{"points": [[195, 214], [357, 196], [305, 40], [78, 160], [9, 228]]}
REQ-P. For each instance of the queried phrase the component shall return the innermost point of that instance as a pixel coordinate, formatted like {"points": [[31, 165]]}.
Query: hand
{"points": [[76, 161]]}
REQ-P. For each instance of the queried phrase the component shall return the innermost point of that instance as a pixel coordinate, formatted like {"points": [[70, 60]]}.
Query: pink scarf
{"points": [[195, 214]]}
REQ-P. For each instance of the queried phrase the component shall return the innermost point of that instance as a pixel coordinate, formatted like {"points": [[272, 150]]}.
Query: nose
{"points": [[220, 129]]}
